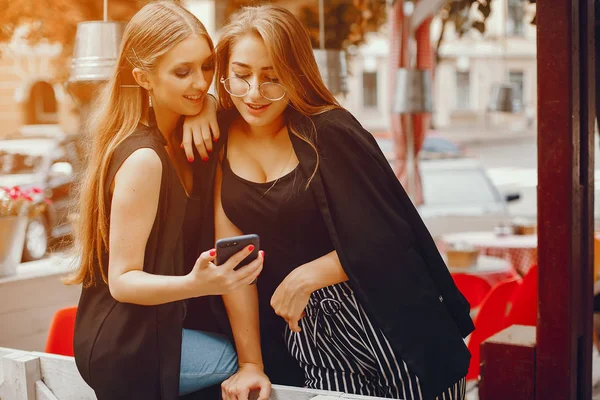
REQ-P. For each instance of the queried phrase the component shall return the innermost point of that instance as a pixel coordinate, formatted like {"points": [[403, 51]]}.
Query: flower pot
{"points": [[12, 238]]}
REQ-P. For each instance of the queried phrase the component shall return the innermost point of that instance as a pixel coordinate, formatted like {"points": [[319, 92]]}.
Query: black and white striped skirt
{"points": [[341, 350]]}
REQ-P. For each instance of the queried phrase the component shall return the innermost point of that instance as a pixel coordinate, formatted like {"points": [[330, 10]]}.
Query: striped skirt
{"points": [[341, 350]]}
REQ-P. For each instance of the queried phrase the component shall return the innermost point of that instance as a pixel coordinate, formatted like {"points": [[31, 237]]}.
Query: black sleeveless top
{"points": [[129, 351], [292, 232]]}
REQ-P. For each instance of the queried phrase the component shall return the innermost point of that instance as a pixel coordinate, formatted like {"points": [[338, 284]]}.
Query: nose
{"points": [[254, 94], [200, 83]]}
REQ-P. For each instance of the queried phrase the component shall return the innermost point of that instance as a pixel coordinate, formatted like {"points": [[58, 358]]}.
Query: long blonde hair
{"points": [[289, 47], [152, 32]]}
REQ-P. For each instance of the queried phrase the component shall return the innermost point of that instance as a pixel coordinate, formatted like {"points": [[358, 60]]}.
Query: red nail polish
{"points": [[215, 140], [190, 159], [181, 147], [212, 252], [205, 159], [262, 253], [251, 248], [210, 150]]}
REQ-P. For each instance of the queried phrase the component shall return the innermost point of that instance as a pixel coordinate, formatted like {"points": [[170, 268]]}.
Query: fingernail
{"points": [[262, 253], [190, 159], [215, 140], [251, 248], [210, 150], [212, 253], [181, 146], [205, 159]]}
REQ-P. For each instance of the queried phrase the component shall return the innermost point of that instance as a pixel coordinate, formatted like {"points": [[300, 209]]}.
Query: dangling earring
{"points": [[151, 115]]}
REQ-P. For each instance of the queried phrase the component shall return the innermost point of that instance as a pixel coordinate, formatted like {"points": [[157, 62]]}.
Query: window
{"points": [[517, 77], [463, 89], [515, 24], [42, 107], [370, 89]]}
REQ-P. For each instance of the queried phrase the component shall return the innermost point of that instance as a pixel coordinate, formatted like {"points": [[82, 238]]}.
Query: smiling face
{"points": [[182, 76], [249, 59]]}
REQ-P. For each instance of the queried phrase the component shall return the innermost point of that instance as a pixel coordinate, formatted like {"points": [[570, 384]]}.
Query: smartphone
{"points": [[227, 247]]}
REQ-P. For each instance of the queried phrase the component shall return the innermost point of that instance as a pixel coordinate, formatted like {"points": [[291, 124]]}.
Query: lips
{"points": [[256, 109], [193, 97]]}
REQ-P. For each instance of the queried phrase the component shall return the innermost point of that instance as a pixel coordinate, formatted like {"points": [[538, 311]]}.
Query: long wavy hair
{"points": [[288, 44], [119, 109]]}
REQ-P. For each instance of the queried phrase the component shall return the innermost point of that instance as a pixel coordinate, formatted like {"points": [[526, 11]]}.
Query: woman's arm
{"points": [[133, 211], [291, 296], [242, 310]]}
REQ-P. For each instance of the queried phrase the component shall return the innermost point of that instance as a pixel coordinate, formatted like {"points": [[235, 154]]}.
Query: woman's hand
{"points": [[209, 279], [201, 130], [291, 298], [248, 377]]}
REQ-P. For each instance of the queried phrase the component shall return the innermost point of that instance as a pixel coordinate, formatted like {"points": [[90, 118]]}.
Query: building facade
{"points": [[468, 69]]}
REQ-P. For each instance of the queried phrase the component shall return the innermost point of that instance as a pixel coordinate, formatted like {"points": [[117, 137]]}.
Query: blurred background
{"points": [[447, 87]]}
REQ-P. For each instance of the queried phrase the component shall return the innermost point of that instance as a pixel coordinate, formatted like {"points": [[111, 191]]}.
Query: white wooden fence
{"points": [[41, 376]]}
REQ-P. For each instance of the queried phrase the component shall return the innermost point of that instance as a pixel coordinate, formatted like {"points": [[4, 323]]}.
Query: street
{"points": [[512, 165]]}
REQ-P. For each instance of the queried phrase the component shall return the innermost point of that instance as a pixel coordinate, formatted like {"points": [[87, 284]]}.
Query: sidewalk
{"points": [[474, 135], [477, 135]]}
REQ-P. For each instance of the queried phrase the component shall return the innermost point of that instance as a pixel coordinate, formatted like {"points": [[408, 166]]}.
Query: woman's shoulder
{"points": [[334, 119], [142, 137], [142, 150], [340, 127]]}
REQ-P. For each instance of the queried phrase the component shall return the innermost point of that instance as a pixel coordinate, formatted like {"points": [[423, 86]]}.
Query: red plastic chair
{"points": [[60, 334], [473, 287], [490, 319], [524, 301]]}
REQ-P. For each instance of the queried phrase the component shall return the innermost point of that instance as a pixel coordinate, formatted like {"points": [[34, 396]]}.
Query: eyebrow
{"points": [[209, 59], [247, 66]]}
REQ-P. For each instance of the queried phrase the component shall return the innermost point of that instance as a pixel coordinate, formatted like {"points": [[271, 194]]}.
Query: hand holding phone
{"points": [[227, 247], [207, 278]]}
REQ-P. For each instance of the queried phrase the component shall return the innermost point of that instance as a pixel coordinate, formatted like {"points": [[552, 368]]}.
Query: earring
{"points": [[149, 100]]}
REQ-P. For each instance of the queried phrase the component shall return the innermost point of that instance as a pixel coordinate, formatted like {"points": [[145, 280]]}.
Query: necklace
{"points": [[280, 175]]}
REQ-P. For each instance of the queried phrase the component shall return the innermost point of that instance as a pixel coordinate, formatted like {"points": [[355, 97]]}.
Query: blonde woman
{"points": [[129, 341], [353, 289]]}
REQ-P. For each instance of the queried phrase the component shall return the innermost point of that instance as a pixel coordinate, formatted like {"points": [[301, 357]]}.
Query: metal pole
{"points": [[410, 132], [321, 25]]}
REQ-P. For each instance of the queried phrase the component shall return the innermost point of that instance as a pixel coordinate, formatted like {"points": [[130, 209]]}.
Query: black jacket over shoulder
{"points": [[128, 351], [385, 249]]}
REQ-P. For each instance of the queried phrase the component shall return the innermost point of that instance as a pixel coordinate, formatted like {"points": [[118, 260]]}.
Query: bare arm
{"points": [[324, 271], [241, 305], [133, 211], [242, 310], [292, 295]]}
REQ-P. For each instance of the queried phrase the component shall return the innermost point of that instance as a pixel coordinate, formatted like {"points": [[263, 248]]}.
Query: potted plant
{"points": [[17, 206]]}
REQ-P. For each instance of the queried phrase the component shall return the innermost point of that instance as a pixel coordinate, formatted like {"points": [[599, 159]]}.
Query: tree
{"points": [[55, 21], [466, 15], [346, 21]]}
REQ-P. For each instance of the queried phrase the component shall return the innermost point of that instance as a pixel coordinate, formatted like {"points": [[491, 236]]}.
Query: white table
{"points": [[492, 269], [519, 250]]}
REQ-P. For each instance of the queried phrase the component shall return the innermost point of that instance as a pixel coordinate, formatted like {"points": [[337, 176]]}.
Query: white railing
{"points": [[41, 376], [29, 299]]}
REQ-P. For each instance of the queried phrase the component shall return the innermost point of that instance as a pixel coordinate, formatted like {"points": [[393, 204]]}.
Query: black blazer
{"points": [[385, 249]]}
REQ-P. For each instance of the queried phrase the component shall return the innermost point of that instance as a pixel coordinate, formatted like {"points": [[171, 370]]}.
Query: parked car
{"points": [[460, 186], [434, 146], [51, 164]]}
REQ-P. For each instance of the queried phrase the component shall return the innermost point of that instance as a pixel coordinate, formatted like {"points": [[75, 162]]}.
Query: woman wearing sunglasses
{"points": [[354, 296]]}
